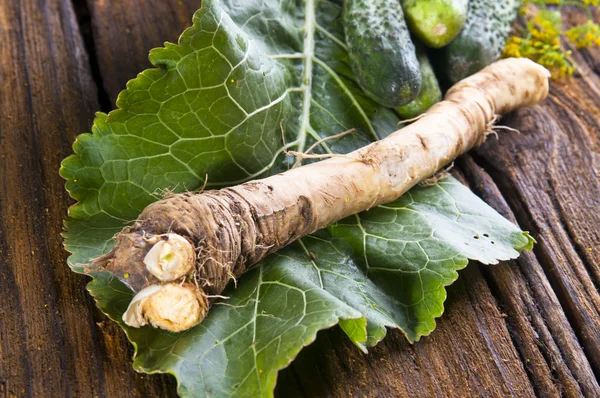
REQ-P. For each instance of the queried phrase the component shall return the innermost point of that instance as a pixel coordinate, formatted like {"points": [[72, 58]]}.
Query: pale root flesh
{"points": [[168, 306], [170, 258], [233, 228]]}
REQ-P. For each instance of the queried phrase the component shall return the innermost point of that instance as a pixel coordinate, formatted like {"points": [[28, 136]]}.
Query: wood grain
{"points": [[529, 327], [554, 190], [53, 341], [554, 359], [129, 29]]}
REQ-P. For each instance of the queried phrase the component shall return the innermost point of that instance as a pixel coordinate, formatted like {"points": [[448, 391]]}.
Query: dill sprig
{"points": [[540, 41]]}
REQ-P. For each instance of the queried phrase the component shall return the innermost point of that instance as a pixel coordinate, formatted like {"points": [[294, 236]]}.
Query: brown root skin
{"points": [[233, 228]]}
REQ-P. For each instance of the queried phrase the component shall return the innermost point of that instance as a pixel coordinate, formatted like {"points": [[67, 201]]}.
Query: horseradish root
{"points": [[183, 250], [168, 306]]}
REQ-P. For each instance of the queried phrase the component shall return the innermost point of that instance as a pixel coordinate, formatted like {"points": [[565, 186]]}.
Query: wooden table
{"points": [[522, 328]]}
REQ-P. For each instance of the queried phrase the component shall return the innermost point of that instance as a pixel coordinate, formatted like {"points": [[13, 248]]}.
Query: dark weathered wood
{"points": [[125, 31], [539, 328], [522, 328], [53, 341]]}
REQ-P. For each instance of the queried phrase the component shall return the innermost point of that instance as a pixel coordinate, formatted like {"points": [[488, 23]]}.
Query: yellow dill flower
{"points": [[512, 48], [586, 35], [591, 2], [542, 44], [541, 41], [545, 26]]}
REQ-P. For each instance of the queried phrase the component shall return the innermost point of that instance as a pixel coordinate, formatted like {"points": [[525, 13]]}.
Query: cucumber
{"points": [[430, 90], [381, 52], [482, 39], [435, 22]]}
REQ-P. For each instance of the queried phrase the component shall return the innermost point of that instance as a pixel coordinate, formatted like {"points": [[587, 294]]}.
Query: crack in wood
{"points": [[84, 20]]}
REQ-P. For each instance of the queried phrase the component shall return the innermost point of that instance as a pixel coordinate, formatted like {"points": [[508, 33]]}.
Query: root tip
{"points": [[171, 307]]}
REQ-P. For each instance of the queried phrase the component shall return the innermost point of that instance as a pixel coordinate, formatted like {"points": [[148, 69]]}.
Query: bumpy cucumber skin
{"points": [[482, 39], [381, 52], [430, 90], [435, 22]]}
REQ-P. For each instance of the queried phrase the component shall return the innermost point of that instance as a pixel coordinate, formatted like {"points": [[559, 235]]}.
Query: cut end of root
{"points": [[170, 258], [171, 306]]}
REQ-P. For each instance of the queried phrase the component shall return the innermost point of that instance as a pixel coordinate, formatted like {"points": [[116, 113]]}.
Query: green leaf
{"points": [[247, 81]]}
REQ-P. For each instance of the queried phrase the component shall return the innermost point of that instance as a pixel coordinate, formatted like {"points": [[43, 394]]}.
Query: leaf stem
{"points": [[309, 50], [287, 56], [331, 37]]}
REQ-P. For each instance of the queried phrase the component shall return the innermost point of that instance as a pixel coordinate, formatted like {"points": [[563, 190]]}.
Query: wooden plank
{"points": [[125, 31], [521, 328], [52, 342], [540, 329]]}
